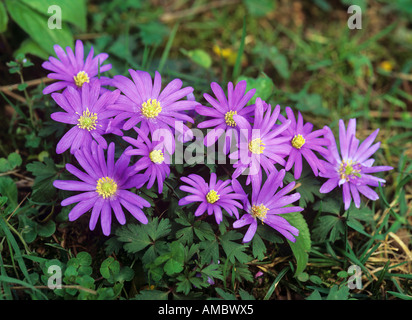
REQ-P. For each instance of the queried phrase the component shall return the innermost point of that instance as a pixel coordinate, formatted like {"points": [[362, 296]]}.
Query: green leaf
{"points": [[264, 87], [73, 11], [110, 268], [85, 259], [258, 247], [212, 271], [9, 189], [125, 274], [259, 8], [183, 284], [210, 251], [152, 295], [176, 258], [153, 32], [199, 56], [35, 24], [47, 229], [337, 293], [137, 237], [225, 295], [4, 165], [4, 18], [302, 245], [329, 205], [134, 236], [233, 249], [315, 295], [45, 173], [14, 160], [328, 224], [28, 46], [244, 295], [203, 230]]}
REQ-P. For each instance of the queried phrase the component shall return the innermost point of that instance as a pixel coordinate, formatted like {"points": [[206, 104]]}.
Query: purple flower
{"points": [[267, 205], [72, 70], [87, 111], [303, 141], [222, 111], [154, 159], [156, 110], [213, 196], [260, 146], [104, 188], [352, 168]]}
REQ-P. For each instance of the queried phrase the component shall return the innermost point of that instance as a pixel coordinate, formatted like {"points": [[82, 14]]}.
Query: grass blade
{"points": [[166, 51], [238, 63], [275, 283]]}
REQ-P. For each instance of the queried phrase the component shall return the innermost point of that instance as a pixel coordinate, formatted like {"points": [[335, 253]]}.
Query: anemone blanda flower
{"points": [[154, 159], [104, 187], [303, 141], [213, 196], [222, 111], [267, 205], [155, 109], [72, 70], [352, 168], [261, 145], [87, 111]]}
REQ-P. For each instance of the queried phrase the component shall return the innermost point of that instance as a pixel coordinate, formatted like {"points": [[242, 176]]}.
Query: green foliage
{"points": [[45, 173], [301, 247], [264, 86]]}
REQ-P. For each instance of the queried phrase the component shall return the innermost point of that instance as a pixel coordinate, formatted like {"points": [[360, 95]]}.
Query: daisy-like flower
{"points": [[303, 141], [87, 111], [72, 70], [352, 168], [261, 145], [223, 111], [213, 196], [154, 159], [146, 103], [104, 188], [267, 205]]}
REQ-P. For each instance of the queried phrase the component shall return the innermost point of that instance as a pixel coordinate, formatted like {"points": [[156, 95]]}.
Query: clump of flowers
{"points": [[152, 116], [351, 168]]}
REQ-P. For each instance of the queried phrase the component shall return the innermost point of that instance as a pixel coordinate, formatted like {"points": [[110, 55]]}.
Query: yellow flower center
{"points": [[349, 169], [87, 120], [106, 187], [156, 156], [256, 146], [298, 141], [212, 196], [229, 118], [151, 108], [259, 211], [81, 78]]}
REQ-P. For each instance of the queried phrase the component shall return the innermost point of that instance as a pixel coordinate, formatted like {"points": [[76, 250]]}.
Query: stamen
{"points": [[298, 141], [229, 118], [151, 108], [106, 187], [81, 78], [212, 196], [349, 170], [157, 156], [87, 121], [259, 211], [256, 146]]}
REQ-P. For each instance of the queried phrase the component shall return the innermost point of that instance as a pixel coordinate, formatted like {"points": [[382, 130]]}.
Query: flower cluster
{"points": [[151, 119]]}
